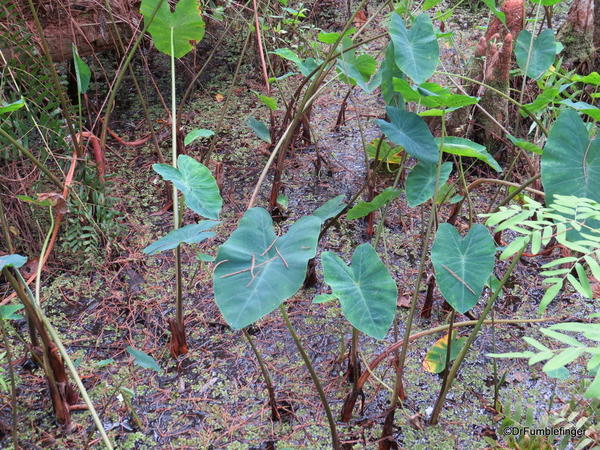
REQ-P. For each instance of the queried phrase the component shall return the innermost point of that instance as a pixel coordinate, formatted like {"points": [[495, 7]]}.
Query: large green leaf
{"points": [[462, 265], [366, 290], [465, 147], [183, 25], [420, 182], [196, 183], [257, 271], [190, 234], [534, 59], [14, 260], [571, 160], [411, 132], [416, 50]]}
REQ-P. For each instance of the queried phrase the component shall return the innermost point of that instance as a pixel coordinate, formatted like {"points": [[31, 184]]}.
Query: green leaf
{"points": [[143, 360], [324, 298], [366, 290], [190, 234], [306, 66], [584, 107], [7, 312], [361, 209], [204, 257], [260, 129], [8, 107], [389, 70], [465, 147], [525, 145], [257, 271], [549, 295], [330, 208], [534, 59], [592, 78], [196, 183], [541, 101], [435, 359], [462, 265], [331, 38], [14, 260], [82, 72], [428, 4], [432, 95], [269, 102], [561, 373], [420, 182], [197, 134], [356, 70], [491, 4], [593, 390], [562, 359], [571, 163], [183, 25], [411, 132], [416, 50]]}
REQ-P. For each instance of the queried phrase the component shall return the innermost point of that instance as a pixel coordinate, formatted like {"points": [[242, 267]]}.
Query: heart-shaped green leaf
{"points": [[366, 290], [416, 50], [196, 183], [570, 151], [571, 162], [411, 132], [420, 182], [257, 271], [183, 25], [534, 59], [14, 260], [190, 234], [462, 265], [361, 209], [465, 147]]}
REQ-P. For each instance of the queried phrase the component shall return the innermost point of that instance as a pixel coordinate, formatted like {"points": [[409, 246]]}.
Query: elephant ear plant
{"points": [[172, 34], [257, 270]]}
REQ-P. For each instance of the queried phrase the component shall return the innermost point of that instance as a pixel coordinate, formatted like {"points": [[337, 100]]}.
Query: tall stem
{"points": [[463, 352], [13, 387], [335, 440], [178, 293], [265, 375]]}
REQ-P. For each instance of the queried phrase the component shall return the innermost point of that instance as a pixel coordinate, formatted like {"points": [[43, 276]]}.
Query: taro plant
{"points": [[256, 271], [172, 33]]}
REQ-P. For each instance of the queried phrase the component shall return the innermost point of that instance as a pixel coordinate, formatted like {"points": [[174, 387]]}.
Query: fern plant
{"points": [[572, 221]]}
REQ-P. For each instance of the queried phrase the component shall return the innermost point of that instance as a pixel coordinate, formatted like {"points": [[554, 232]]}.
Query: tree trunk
{"points": [[577, 34], [85, 23]]}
